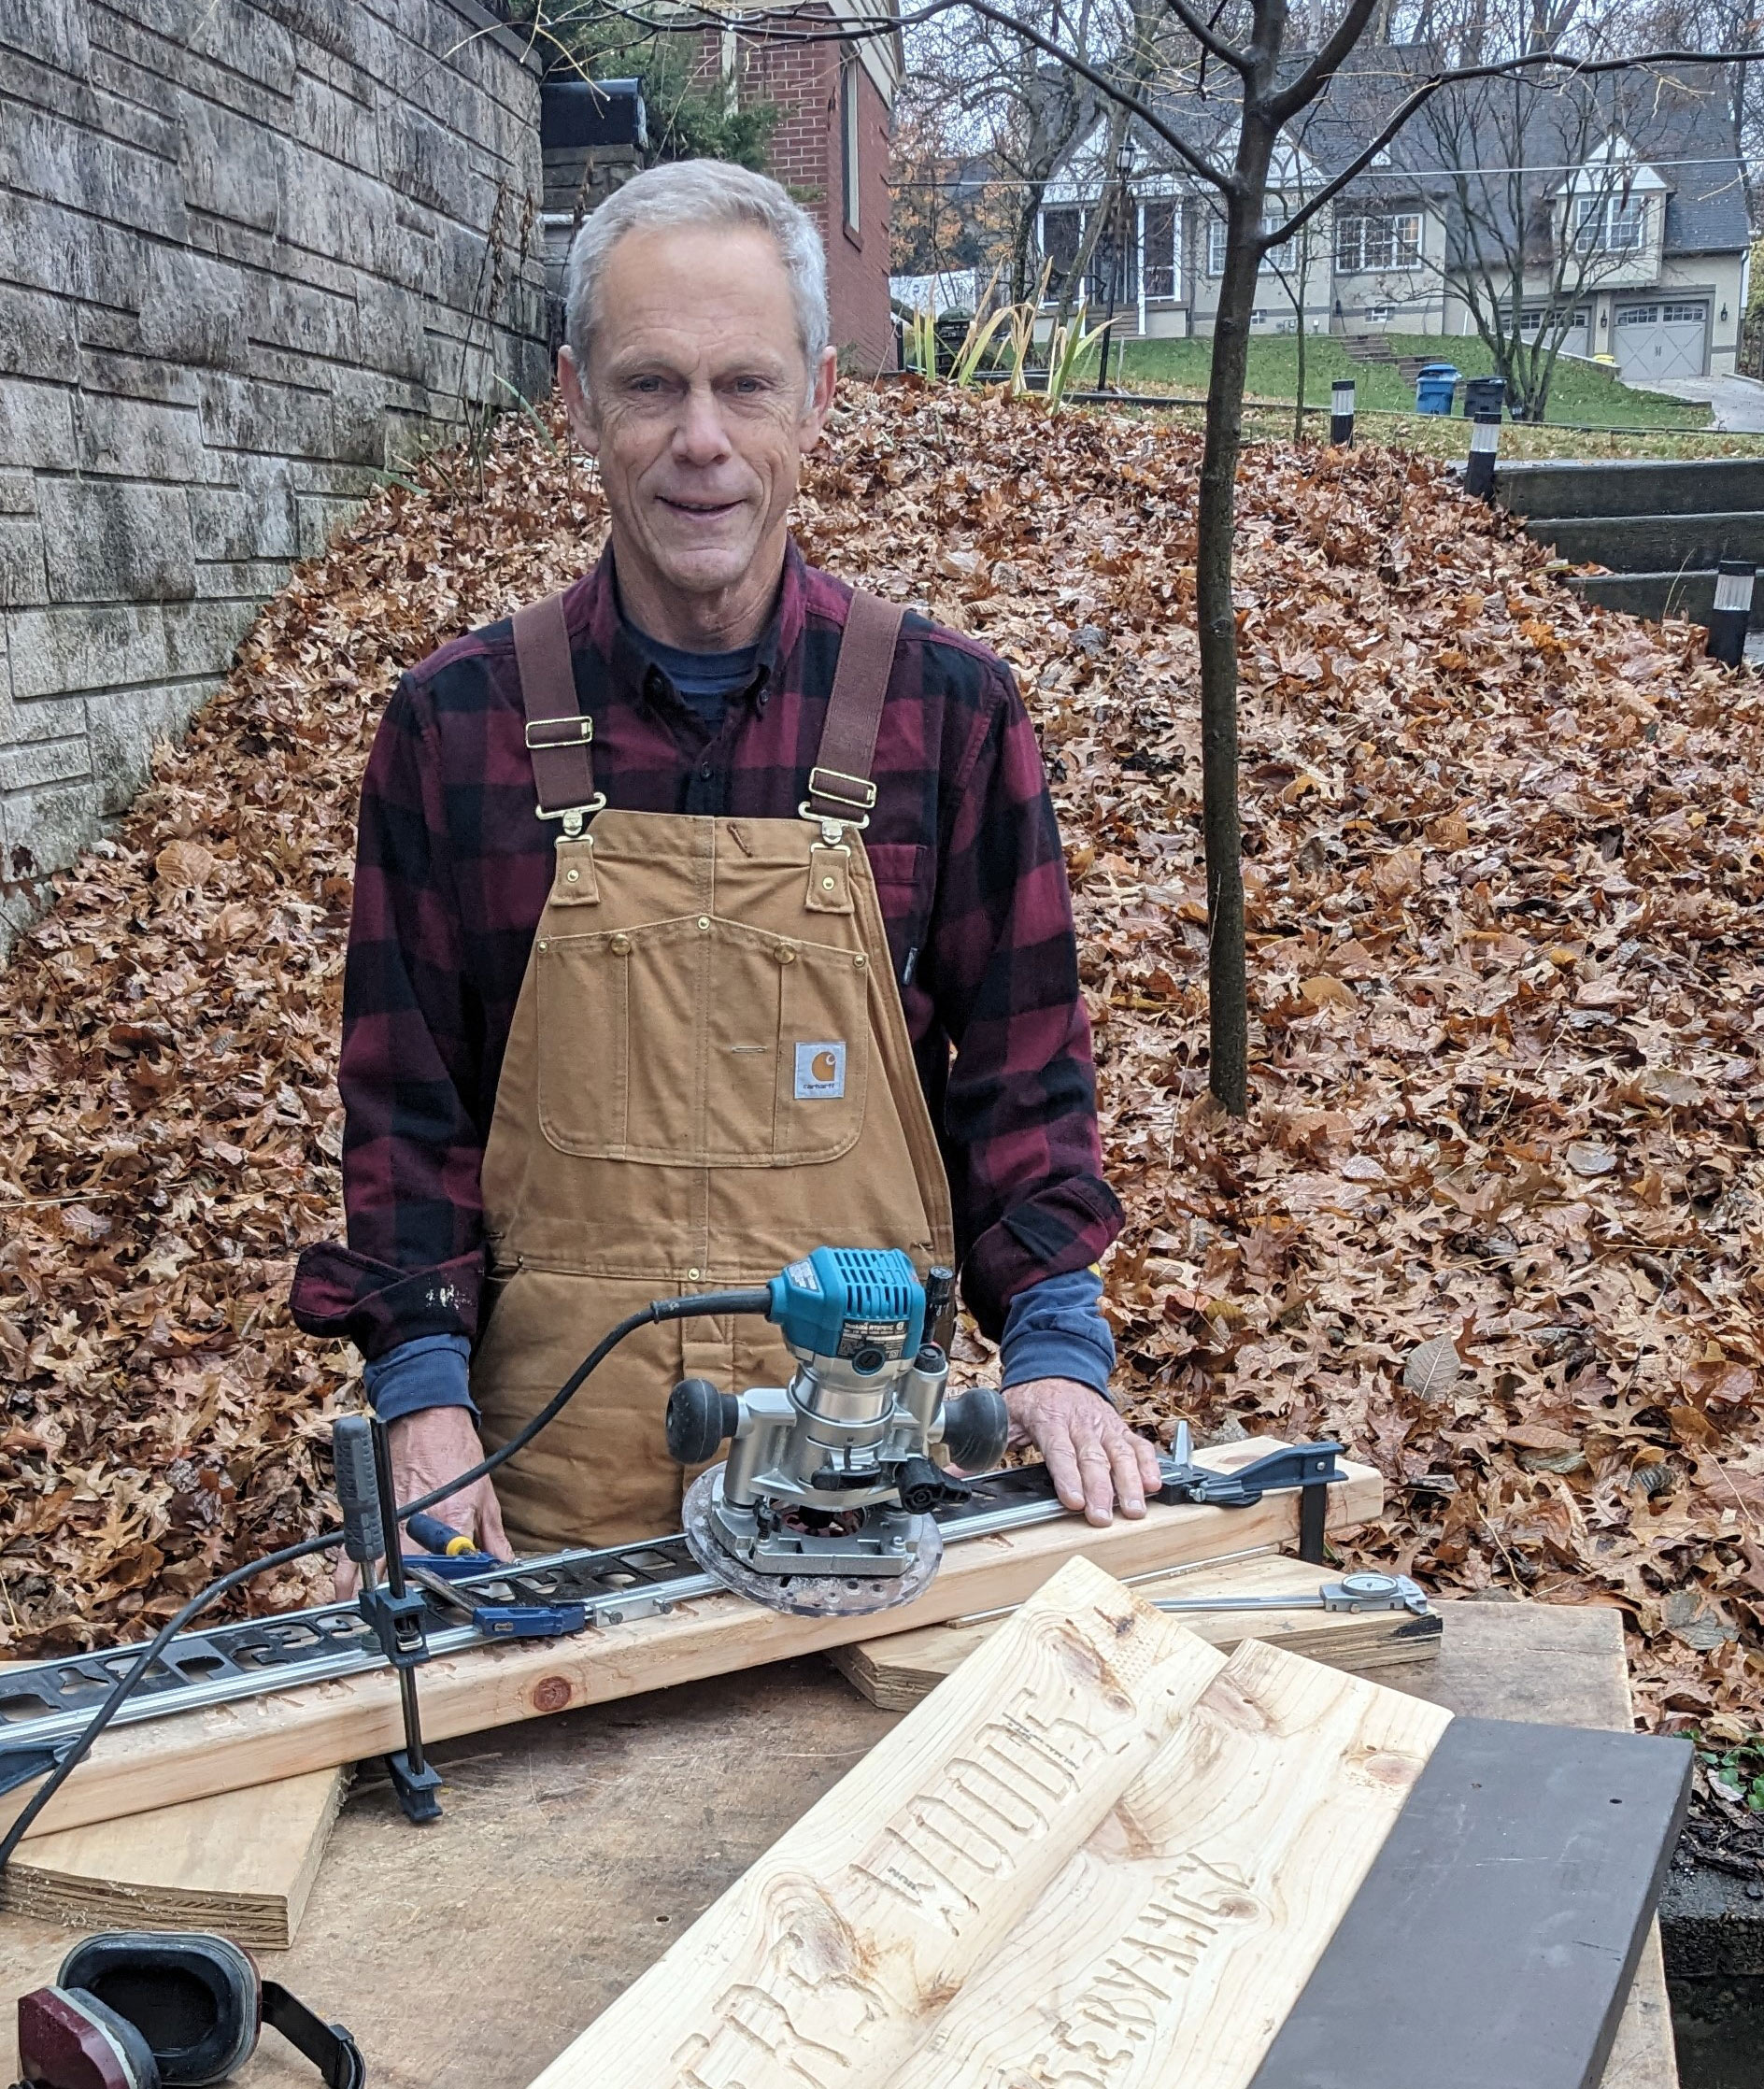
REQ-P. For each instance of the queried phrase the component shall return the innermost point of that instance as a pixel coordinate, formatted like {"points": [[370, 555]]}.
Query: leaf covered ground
{"points": [[1495, 1216]]}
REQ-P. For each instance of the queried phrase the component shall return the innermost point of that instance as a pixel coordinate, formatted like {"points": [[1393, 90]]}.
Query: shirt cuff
{"points": [[434, 1370], [1056, 1329]]}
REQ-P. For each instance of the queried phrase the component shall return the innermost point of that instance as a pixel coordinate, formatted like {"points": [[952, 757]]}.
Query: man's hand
{"points": [[1093, 1458], [430, 1448]]}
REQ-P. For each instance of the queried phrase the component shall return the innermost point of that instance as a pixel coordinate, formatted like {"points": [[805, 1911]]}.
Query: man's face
{"points": [[698, 405]]}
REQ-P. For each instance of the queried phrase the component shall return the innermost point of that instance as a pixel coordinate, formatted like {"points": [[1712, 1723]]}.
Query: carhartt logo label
{"points": [[821, 1073]]}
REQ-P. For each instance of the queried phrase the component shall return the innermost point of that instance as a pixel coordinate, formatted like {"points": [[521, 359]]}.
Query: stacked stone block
{"points": [[250, 252]]}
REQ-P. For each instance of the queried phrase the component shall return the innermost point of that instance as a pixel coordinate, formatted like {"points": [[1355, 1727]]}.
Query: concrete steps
{"points": [[1660, 526], [1375, 347]]}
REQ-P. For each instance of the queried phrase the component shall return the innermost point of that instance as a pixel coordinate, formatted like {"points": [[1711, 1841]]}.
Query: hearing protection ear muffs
{"points": [[132, 2010]]}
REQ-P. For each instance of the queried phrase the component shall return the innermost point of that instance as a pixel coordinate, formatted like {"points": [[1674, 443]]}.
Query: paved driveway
{"points": [[1737, 402]]}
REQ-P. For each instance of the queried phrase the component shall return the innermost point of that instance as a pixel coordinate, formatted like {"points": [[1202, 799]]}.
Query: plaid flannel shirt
{"points": [[453, 869]]}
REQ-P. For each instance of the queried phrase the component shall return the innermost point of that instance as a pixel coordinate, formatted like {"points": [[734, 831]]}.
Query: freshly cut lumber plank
{"points": [[830, 1958], [1171, 1946], [895, 1673], [1499, 1929], [242, 1863], [228, 1747]]}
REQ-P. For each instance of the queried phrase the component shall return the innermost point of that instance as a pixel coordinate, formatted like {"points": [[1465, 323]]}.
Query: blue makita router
{"points": [[830, 1480]]}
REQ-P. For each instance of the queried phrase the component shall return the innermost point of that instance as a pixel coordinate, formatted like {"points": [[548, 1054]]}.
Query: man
{"points": [[779, 961]]}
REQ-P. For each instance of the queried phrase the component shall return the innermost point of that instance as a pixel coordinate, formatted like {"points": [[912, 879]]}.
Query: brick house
{"points": [[831, 150]]}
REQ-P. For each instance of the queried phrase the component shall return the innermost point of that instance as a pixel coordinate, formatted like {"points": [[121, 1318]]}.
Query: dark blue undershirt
{"points": [[707, 682]]}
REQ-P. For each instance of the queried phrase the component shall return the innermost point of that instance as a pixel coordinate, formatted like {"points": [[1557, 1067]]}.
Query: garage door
{"points": [[1660, 340]]}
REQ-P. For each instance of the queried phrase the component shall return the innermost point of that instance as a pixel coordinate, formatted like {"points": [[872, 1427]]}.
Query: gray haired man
{"points": [[681, 1048]]}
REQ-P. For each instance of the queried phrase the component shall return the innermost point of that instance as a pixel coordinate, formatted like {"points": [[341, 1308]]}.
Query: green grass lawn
{"points": [[1580, 392]]}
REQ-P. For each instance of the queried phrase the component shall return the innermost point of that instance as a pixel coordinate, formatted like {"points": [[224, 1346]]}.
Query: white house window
{"points": [[1284, 254], [1215, 231], [1163, 250], [1061, 234], [1367, 240], [1610, 224], [848, 112], [1114, 259]]}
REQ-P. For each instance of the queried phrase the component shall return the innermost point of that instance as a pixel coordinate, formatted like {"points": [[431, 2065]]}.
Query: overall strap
{"points": [[839, 785], [559, 732]]}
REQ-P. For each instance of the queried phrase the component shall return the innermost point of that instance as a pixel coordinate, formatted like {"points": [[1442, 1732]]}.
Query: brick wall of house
{"points": [[807, 155]]}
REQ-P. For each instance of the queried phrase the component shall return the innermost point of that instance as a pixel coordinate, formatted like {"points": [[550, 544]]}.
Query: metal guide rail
{"points": [[46, 1704]]}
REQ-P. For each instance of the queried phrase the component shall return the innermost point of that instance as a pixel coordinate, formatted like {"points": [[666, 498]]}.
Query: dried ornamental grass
{"points": [[1493, 1219]]}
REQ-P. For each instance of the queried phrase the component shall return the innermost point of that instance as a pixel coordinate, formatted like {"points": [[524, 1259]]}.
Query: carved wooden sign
{"points": [[1093, 1846], [1102, 1854]]}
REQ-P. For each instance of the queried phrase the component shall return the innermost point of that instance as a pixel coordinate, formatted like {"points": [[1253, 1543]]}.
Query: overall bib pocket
{"points": [[700, 1041]]}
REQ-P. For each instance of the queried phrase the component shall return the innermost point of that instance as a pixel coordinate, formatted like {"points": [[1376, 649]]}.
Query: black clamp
{"points": [[1309, 1467]]}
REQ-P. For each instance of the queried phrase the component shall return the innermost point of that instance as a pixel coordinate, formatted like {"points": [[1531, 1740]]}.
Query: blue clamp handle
{"points": [[434, 1535], [530, 1621]]}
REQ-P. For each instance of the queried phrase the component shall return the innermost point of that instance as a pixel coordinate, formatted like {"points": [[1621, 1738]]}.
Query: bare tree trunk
{"points": [[1228, 984], [1100, 217]]}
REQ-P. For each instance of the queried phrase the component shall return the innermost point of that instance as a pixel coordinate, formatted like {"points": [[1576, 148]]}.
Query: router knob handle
{"points": [[940, 1306], [700, 1416], [976, 1426], [358, 1488]]}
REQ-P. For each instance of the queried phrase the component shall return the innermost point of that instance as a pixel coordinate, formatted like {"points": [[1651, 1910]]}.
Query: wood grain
{"points": [[263, 1739], [830, 1959], [1172, 1945], [242, 1863], [895, 1673]]}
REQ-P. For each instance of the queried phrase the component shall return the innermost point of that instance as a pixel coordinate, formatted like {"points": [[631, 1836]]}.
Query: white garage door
{"points": [[1660, 340]]}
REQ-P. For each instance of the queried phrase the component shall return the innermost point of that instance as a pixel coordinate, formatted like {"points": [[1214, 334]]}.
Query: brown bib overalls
{"points": [[707, 1075]]}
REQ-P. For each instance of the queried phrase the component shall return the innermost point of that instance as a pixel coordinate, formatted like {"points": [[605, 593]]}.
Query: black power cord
{"points": [[707, 1305]]}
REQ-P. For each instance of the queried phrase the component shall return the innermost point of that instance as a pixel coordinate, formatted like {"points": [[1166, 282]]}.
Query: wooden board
{"points": [[243, 1863], [1499, 1929], [928, 1920], [830, 1959], [262, 1740], [895, 1673]]}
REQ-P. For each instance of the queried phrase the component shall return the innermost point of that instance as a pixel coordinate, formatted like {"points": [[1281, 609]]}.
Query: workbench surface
{"points": [[574, 1850]]}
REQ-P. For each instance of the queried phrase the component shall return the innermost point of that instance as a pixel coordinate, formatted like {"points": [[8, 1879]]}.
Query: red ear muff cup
{"points": [[69, 2037], [192, 1997]]}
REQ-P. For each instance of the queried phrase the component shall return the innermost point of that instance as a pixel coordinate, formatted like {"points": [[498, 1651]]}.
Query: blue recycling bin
{"points": [[1434, 384]]}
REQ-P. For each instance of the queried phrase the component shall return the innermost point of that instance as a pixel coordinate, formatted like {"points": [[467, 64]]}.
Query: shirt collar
{"points": [[591, 609]]}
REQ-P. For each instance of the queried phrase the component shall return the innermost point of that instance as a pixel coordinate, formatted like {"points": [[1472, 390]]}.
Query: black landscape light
{"points": [[1342, 412], [1485, 441], [1732, 615]]}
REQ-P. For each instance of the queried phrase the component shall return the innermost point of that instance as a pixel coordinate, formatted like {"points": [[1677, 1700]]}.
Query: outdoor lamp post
{"points": [[1484, 440], [1733, 611], [1342, 412], [1123, 174]]}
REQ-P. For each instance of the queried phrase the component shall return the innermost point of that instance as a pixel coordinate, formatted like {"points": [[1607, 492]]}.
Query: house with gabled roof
{"points": [[1622, 197]]}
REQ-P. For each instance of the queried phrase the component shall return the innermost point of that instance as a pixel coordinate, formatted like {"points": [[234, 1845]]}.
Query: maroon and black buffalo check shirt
{"points": [[453, 868]]}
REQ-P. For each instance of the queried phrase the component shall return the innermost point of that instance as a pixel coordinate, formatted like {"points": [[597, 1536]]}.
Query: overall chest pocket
{"points": [[702, 1043]]}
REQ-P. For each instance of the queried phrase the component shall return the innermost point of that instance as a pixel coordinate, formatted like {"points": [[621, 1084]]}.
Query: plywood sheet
{"points": [[895, 1673], [263, 1739], [1002, 1892], [242, 1863]]}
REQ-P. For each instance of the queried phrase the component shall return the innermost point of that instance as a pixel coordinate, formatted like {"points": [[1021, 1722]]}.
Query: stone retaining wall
{"points": [[251, 250]]}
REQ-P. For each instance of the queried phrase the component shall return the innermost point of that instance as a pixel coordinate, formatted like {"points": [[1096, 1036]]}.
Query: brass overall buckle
{"points": [[835, 826], [573, 816]]}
